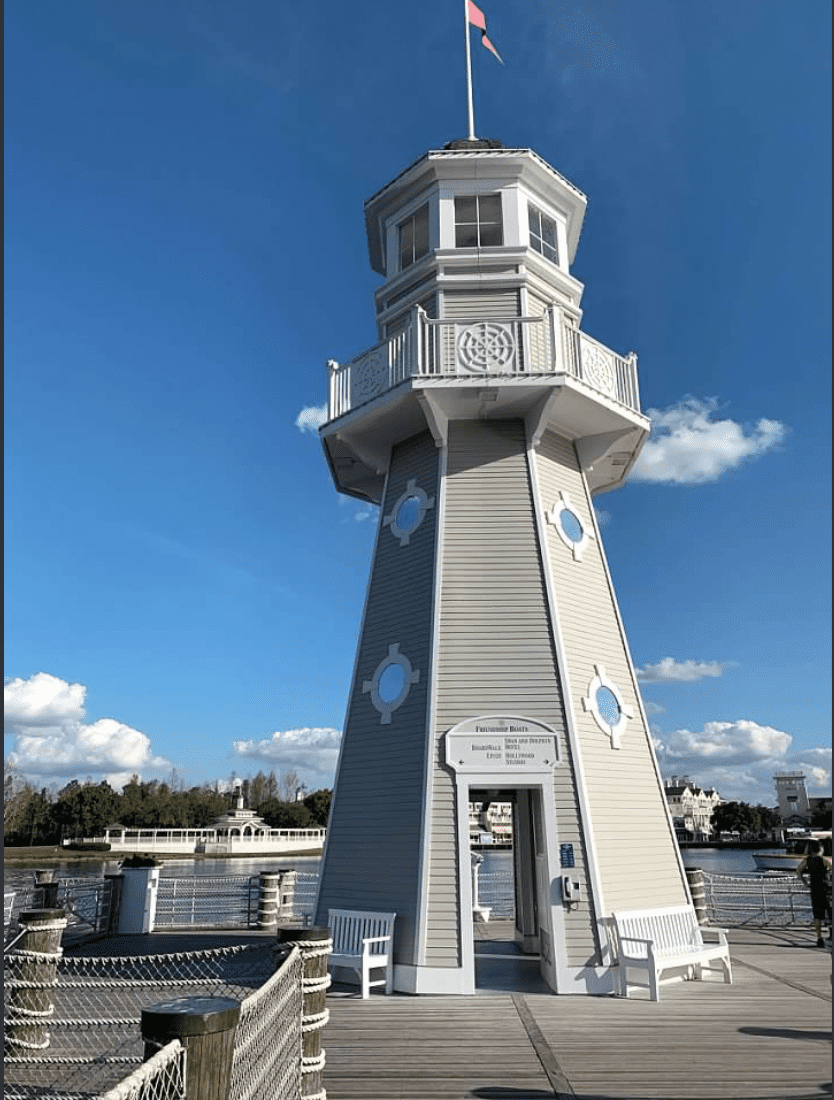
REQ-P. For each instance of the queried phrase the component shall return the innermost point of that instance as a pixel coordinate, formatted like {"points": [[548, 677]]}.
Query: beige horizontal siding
{"points": [[495, 646], [635, 848]]}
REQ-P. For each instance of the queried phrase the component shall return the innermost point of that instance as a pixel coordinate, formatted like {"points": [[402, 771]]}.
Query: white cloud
{"points": [[42, 702], [311, 751], [311, 418], [668, 670], [740, 759], [365, 513], [603, 517], [653, 708], [688, 447], [45, 714]]}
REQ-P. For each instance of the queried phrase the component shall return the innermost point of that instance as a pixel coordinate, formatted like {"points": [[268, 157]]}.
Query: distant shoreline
{"points": [[49, 854]]}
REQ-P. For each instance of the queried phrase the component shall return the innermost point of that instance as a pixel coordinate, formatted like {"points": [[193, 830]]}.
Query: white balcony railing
{"points": [[518, 347]]}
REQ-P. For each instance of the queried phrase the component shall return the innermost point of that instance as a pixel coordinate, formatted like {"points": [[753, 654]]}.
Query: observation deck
{"points": [[541, 369]]}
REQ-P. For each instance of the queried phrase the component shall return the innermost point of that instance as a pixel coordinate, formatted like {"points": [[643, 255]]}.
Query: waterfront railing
{"points": [[88, 903], [756, 900], [236, 901]]}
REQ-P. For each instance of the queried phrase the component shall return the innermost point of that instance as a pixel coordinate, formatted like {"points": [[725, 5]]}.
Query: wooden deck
{"points": [[766, 1036]]}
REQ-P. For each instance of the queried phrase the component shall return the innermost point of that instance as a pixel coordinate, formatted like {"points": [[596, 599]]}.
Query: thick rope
{"points": [[44, 956], [316, 985], [322, 947], [314, 1064], [13, 1040], [314, 1022], [19, 1010]]}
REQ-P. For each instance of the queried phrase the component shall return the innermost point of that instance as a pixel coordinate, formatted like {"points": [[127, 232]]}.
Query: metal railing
{"points": [[756, 900], [86, 901], [513, 347], [207, 901]]}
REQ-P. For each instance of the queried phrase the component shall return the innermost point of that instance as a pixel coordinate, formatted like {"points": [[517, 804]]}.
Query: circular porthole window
{"points": [[606, 706], [408, 512], [569, 527], [391, 683]]}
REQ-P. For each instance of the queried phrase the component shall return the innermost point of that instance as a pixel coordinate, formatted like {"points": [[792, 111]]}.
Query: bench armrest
{"points": [[721, 933], [374, 939], [636, 939]]}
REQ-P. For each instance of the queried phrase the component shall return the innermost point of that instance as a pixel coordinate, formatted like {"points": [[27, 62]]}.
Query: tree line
{"points": [[747, 820], [34, 816]]}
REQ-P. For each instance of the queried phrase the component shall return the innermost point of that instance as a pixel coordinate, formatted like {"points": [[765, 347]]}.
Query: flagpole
{"points": [[469, 71]]}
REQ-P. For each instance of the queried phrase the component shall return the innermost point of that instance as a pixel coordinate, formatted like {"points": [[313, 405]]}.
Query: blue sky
{"points": [[184, 250]]}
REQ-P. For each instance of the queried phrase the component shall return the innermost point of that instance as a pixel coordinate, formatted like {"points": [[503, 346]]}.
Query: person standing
{"points": [[815, 872]]}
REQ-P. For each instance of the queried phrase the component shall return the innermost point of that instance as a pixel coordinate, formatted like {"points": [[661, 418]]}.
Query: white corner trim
{"points": [[410, 676], [431, 979], [591, 705], [431, 713]]}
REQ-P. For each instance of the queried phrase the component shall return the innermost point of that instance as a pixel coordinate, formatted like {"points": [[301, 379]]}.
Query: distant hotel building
{"points": [[792, 798], [691, 807]]}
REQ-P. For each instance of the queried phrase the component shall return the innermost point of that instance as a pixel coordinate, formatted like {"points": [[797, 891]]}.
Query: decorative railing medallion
{"points": [[486, 348]]}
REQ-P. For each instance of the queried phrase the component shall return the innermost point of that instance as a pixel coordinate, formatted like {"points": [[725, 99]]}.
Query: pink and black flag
{"points": [[476, 18]]}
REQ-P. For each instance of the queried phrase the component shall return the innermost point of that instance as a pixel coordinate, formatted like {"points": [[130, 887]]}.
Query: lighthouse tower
{"points": [[492, 663]]}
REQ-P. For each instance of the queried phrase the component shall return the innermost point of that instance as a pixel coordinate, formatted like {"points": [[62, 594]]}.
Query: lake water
{"points": [[719, 860]]}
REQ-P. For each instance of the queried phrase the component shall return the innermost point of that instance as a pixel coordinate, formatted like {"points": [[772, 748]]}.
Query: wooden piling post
{"points": [[116, 886], [268, 899], [286, 895], [206, 1027], [47, 886], [33, 977], [315, 946], [698, 890]]}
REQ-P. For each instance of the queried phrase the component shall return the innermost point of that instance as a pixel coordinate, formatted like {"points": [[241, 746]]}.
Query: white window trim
{"points": [[410, 676], [589, 704], [553, 517], [412, 489]]}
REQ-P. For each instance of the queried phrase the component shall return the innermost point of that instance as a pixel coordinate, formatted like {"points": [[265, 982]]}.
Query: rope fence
{"points": [[93, 1044]]}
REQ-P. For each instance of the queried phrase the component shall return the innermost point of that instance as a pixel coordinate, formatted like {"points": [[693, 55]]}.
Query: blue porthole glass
{"points": [[409, 515], [391, 683], [608, 706], [571, 525]]}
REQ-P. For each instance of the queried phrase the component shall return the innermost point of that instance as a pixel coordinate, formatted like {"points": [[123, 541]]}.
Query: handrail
{"points": [[514, 346]]}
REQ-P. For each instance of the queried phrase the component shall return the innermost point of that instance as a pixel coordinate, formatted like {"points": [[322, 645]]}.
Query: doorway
{"points": [[512, 946]]}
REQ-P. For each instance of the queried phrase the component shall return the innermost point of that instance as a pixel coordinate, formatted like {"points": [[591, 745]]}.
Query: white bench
{"points": [[656, 940], [363, 942]]}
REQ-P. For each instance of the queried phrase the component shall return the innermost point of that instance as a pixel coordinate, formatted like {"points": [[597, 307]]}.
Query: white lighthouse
{"points": [[492, 662]]}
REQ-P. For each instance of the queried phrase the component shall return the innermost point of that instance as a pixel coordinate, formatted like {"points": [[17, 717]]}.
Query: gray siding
{"points": [[372, 859], [636, 851], [495, 647], [480, 305]]}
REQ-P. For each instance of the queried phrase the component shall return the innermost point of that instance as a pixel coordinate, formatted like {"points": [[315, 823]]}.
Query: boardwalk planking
{"points": [[766, 1036]]}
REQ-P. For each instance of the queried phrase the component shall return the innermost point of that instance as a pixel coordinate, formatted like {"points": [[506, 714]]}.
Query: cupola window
{"points": [[414, 237], [542, 233], [478, 221]]}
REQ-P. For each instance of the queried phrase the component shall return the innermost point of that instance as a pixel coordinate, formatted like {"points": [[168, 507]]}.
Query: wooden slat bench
{"points": [[670, 938], [363, 942]]}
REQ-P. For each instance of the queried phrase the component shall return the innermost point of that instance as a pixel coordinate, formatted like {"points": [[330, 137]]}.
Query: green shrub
{"points": [[141, 860], [91, 846]]}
